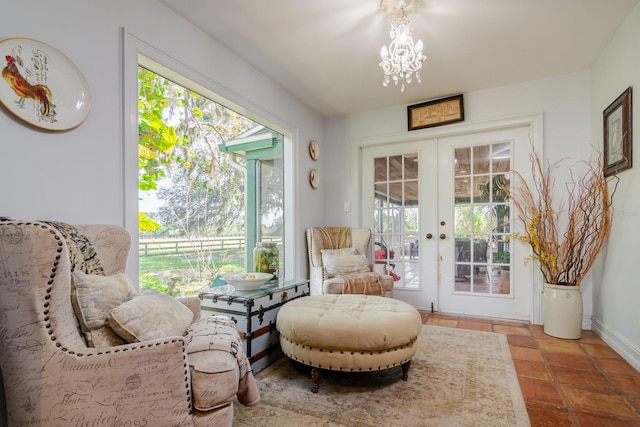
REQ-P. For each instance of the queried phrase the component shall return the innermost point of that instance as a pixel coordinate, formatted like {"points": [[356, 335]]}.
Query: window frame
{"points": [[139, 53]]}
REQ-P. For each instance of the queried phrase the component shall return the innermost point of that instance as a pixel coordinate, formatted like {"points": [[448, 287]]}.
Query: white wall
{"points": [[616, 283], [77, 176]]}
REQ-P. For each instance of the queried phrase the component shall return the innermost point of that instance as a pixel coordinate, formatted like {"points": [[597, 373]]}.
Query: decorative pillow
{"points": [[341, 251], [150, 315], [93, 297], [345, 264]]}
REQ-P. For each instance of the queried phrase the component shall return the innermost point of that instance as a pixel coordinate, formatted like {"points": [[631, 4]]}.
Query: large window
{"points": [[210, 187]]}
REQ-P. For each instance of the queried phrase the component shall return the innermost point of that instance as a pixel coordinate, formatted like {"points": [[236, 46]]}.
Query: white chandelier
{"points": [[403, 59]]}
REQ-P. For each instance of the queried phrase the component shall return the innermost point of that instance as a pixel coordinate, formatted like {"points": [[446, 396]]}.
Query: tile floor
{"points": [[564, 382]]}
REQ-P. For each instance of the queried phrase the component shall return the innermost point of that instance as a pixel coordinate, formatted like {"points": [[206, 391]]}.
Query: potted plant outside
{"points": [[565, 235]]}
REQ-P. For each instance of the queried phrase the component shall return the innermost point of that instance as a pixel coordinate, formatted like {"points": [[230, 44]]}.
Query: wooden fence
{"points": [[154, 247]]}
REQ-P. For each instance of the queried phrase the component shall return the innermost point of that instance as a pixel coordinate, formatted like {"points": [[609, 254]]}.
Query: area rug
{"points": [[457, 378]]}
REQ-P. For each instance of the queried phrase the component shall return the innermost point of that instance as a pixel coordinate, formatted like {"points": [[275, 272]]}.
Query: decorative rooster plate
{"points": [[41, 85]]}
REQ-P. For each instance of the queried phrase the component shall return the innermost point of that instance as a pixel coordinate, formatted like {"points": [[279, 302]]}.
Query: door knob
{"points": [[429, 236], [443, 236]]}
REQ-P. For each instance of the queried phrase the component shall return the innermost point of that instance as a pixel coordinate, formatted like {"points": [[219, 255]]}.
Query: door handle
{"points": [[443, 236], [429, 236]]}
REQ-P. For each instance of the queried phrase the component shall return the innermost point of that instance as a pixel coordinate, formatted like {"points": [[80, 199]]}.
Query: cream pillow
{"points": [[93, 297], [149, 316], [341, 251], [345, 264]]}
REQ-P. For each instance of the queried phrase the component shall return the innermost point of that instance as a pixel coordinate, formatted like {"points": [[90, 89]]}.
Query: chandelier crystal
{"points": [[403, 59]]}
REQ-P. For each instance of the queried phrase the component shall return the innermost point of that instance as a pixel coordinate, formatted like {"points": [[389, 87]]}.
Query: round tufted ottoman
{"points": [[348, 333]]}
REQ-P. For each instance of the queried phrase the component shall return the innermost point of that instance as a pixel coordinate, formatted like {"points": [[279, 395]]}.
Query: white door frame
{"points": [[533, 121]]}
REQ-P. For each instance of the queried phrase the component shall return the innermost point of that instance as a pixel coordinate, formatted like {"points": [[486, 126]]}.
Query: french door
{"points": [[443, 222]]}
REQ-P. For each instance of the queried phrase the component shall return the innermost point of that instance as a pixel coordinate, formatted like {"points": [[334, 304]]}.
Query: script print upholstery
{"points": [[50, 375]]}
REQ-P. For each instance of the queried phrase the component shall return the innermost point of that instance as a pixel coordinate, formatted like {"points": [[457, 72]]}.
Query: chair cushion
{"points": [[149, 316], [93, 297]]}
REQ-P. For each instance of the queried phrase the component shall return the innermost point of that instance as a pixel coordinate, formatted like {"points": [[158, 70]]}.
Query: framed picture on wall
{"points": [[436, 113], [617, 134]]}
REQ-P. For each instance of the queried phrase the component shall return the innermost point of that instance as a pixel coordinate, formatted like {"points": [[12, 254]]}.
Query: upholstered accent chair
{"points": [[53, 377], [339, 254]]}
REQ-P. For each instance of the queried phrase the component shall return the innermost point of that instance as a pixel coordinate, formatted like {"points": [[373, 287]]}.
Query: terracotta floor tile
{"points": [[511, 330], [581, 383], [629, 385], [537, 332], [594, 380], [476, 319], [592, 420], [439, 321], [522, 341], [600, 350], [617, 366], [510, 323], [605, 403], [476, 326], [531, 369], [548, 415], [523, 353], [590, 338], [569, 361], [540, 391], [556, 346], [444, 316]]}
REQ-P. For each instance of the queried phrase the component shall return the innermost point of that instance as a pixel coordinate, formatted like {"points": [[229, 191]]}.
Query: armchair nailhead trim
{"points": [[52, 336]]}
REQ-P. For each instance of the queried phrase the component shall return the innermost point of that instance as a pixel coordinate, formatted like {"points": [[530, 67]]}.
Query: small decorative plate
{"points": [[314, 150], [41, 85], [314, 179]]}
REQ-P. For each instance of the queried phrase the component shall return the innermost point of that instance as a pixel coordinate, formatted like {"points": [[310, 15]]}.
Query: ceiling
{"points": [[327, 52]]}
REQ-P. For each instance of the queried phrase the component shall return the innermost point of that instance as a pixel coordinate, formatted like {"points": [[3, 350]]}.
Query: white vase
{"points": [[562, 311]]}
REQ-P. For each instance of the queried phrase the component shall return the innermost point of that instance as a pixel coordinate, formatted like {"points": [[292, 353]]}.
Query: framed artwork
{"points": [[617, 139], [42, 86], [436, 113]]}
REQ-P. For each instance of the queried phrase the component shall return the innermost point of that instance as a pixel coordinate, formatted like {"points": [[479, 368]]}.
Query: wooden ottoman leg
{"points": [[315, 376], [405, 370]]}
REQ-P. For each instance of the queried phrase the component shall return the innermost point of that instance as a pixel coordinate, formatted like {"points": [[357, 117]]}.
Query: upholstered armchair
{"points": [[53, 377], [344, 248]]}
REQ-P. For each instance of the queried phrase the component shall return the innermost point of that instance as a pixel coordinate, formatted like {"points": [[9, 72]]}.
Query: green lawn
{"points": [[170, 274]]}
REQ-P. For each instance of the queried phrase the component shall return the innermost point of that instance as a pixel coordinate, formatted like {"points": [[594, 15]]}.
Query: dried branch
{"points": [[565, 242]]}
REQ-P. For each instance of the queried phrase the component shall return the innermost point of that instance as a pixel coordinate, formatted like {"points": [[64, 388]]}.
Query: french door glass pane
{"points": [[396, 208], [482, 218]]}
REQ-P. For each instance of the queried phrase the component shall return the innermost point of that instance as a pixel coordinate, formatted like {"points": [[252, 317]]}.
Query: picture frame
{"points": [[617, 140], [438, 112]]}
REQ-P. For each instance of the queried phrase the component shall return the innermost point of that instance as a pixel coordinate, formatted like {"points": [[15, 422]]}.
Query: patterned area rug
{"points": [[457, 378]]}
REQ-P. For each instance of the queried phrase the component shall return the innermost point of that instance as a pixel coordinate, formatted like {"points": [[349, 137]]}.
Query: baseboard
{"points": [[623, 347]]}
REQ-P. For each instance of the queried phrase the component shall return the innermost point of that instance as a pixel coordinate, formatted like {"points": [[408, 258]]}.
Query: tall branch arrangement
{"points": [[565, 240]]}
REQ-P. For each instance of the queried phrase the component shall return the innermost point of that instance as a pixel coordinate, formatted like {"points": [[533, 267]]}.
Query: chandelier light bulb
{"points": [[403, 59]]}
